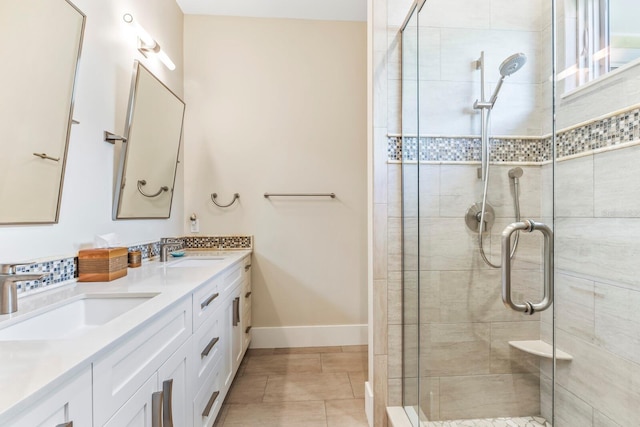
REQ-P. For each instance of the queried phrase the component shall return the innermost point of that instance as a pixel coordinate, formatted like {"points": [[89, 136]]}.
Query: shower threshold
{"points": [[492, 422]]}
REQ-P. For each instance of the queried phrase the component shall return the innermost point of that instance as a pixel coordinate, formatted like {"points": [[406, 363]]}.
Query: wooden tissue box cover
{"points": [[102, 265]]}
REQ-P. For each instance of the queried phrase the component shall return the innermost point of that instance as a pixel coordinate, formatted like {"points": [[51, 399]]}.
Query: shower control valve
{"points": [[474, 215]]}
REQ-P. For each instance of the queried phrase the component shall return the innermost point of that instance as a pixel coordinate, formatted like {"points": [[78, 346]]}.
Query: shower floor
{"points": [[492, 422]]}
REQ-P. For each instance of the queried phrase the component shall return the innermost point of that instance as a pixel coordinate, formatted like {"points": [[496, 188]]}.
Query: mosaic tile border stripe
{"points": [[467, 149], [615, 130]]}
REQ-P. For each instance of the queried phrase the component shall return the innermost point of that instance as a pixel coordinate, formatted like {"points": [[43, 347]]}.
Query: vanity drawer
{"points": [[125, 368], [206, 300], [246, 287], [232, 278], [208, 346], [208, 401]]}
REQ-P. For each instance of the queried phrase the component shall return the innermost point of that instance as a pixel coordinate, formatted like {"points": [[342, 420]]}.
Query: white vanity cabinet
{"points": [[70, 404], [119, 374], [176, 363]]}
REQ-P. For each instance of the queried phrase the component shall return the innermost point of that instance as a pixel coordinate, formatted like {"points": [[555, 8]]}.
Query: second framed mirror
{"points": [[149, 157]]}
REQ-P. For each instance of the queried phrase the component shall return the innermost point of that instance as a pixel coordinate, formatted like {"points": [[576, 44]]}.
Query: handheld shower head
{"points": [[512, 64], [515, 173], [507, 68]]}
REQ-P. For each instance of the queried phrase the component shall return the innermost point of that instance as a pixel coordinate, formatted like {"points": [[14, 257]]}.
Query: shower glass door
{"points": [[410, 203], [482, 68]]}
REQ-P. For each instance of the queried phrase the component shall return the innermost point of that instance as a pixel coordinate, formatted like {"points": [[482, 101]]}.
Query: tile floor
{"points": [[493, 422], [302, 387]]}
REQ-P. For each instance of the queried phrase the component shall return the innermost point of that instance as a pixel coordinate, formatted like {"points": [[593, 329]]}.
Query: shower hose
{"points": [[516, 201]]}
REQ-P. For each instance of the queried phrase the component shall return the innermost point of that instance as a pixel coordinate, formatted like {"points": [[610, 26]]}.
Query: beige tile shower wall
{"points": [[597, 289], [449, 43], [279, 105]]}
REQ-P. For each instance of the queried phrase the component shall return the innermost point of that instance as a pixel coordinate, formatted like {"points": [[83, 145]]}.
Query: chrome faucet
{"points": [[165, 244], [8, 288]]}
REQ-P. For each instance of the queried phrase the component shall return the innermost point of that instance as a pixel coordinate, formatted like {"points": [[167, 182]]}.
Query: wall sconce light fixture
{"points": [[147, 44]]}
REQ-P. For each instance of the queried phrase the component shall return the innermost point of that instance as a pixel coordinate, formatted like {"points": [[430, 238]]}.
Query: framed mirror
{"points": [[149, 157], [40, 44]]}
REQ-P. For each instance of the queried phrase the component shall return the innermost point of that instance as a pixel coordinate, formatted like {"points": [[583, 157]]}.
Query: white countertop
{"points": [[29, 370]]}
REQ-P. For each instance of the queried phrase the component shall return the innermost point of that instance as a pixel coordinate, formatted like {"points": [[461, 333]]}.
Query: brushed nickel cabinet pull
{"points": [[167, 405], [208, 348], [247, 295], [236, 311], [156, 409], [209, 300], [212, 400]]}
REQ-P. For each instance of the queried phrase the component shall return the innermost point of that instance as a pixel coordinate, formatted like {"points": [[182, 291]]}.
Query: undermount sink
{"points": [[71, 318], [196, 262]]}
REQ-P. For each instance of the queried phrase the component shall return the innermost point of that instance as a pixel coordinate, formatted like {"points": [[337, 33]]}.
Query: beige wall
{"points": [[278, 105], [101, 98]]}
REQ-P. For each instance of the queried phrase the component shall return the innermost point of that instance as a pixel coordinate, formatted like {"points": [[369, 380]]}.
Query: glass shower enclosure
{"points": [[477, 125], [519, 158]]}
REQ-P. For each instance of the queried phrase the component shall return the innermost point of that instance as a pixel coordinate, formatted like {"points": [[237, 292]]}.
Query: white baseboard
{"points": [[309, 336], [368, 402]]}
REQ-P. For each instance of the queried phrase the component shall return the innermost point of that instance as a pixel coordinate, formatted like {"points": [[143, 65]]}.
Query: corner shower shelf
{"points": [[541, 349]]}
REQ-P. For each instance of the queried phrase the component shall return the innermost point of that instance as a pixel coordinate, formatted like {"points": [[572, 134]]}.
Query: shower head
{"points": [[515, 173], [512, 64], [507, 68]]}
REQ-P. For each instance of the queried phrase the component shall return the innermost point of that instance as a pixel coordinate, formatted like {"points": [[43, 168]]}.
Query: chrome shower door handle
{"points": [[529, 226]]}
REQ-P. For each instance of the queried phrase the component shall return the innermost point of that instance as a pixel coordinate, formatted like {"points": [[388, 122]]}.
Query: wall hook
{"points": [[236, 196], [143, 182]]}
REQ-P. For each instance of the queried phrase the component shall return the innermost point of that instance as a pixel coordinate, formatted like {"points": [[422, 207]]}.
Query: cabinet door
{"points": [[175, 382], [236, 328], [226, 362], [120, 372], [139, 410], [70, 403]]}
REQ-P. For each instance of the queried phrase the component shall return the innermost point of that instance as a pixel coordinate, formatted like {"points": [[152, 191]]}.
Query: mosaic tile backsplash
{"points": [[218, 242], [608, 132], [65, 269], [59, 271]]}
